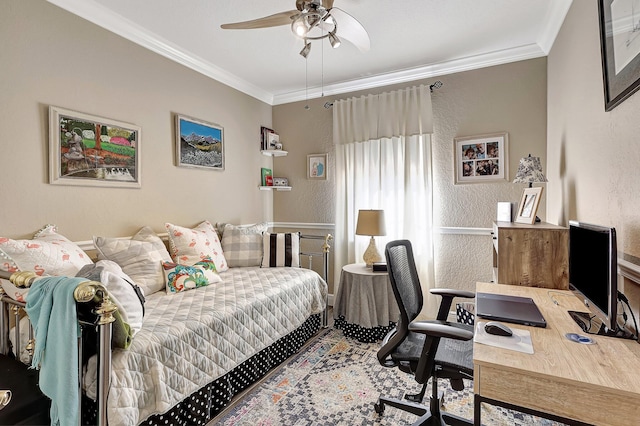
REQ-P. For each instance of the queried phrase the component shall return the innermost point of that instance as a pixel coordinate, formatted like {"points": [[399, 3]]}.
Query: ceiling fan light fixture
{"points": [[299, 27], [334, 40], [306, 49]]}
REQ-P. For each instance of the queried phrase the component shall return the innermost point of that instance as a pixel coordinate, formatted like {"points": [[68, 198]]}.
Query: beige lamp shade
{"points": [[370, 222]]}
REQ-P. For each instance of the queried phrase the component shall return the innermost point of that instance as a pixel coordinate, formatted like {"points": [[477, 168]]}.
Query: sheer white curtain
{"points": [[383, 161]]}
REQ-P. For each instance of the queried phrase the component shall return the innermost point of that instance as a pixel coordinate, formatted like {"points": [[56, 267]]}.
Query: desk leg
{"points": [[476, 409]]}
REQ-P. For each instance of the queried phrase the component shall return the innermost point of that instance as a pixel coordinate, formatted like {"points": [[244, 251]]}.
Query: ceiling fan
{"points": [[313, 20]]}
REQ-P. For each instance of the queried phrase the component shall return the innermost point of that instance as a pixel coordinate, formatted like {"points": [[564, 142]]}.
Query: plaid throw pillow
{"points": [[281, 250], [242, 245]]}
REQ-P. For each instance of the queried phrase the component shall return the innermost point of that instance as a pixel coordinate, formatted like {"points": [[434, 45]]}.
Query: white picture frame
{"points": [[88, 150], [482, 158], [317, 166], [529, 205]]}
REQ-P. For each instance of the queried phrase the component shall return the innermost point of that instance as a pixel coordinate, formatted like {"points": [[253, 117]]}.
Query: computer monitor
{"points": [[593, 269]]}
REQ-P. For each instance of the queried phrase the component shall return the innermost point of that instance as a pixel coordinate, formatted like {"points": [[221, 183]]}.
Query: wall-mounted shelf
{"points": [[277, 188], [274, 152]]}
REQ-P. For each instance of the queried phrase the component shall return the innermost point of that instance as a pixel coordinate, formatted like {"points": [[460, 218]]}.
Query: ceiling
{"points": [[410, 40]]}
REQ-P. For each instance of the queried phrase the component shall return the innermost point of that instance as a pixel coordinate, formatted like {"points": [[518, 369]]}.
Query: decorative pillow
{"points": [[242, 245], [189, 246], [281, 249], [48, 253], [139, 257], [182, 277], [121, 288], [219, 226], [16, 293]]}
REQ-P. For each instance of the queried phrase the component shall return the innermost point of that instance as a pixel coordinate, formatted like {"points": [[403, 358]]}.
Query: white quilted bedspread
{"points": [[191, 338]]}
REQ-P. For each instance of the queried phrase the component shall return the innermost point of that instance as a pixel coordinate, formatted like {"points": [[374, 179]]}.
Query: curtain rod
{"points": [[436, 85]]}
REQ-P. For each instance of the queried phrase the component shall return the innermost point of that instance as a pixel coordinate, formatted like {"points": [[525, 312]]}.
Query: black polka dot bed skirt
{"points": [[362, 334], [203, 405]]}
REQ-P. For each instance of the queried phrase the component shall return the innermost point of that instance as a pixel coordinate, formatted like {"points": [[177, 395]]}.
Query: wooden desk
{"points": [[597, 384]]}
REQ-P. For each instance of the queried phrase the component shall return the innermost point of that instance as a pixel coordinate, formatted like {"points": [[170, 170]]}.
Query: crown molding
{"points": [[555, 17], [443, 68], [107, 19]]}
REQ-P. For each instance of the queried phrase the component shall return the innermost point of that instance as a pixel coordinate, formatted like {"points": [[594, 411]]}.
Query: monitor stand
{"points": [[592, 325]]}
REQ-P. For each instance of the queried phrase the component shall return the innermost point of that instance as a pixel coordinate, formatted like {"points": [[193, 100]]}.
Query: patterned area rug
{"points": [[336, 380]]}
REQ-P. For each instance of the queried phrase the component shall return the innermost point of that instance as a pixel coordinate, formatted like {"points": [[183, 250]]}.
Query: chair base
{"points": [[431, 416]]}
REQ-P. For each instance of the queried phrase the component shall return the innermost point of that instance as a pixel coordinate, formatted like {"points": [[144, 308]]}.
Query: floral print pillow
{"points": [[182, 277]]}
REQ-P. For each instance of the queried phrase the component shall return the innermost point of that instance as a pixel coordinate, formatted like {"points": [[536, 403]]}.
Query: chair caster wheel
{"points": [[379, 408]]}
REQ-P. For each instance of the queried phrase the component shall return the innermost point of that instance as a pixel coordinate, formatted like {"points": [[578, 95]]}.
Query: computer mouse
{"points": [[497, 328]]}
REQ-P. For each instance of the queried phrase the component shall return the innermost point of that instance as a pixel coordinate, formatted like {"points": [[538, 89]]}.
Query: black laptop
{"points": [[514, 309]]}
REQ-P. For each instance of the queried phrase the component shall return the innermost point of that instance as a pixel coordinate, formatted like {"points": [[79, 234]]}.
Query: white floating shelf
{"points": [[277, 188], [274, 152]]}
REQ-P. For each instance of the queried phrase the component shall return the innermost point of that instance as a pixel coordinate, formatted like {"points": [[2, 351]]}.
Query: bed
{"points": [[195, 349]]}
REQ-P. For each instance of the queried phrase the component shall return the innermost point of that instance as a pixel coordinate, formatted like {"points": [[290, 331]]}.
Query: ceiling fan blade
{"points": [[327, 4], [351, 30], [282, 18]]}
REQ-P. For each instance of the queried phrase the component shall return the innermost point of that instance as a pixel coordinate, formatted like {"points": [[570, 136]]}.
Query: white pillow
{"points": [[140, 257], [48, 253], [189, 246], [121, 291], [16, 293], [242, 245]]}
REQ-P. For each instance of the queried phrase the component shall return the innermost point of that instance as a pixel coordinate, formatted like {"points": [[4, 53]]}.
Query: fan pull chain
{"points": [[306, 83], [322, 66]]}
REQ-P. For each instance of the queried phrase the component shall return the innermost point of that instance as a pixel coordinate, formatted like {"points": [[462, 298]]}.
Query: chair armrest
{"points": [[452, 293], [440, 329], [447, 299]]}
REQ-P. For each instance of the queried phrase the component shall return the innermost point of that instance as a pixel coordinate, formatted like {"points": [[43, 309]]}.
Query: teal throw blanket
{"points": [[52, 310]]}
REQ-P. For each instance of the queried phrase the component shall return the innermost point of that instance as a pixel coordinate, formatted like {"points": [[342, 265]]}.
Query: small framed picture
{"points": [[199, 144], [481, 159], [273, 141], [317, 166], [529, 205]]}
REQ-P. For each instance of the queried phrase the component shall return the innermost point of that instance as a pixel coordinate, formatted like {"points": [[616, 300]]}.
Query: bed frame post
{"points": [[325, 274], [4, 324], [86, 292]]}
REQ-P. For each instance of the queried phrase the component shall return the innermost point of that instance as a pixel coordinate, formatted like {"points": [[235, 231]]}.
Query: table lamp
{"points": [[529, 171], [371, 222]]}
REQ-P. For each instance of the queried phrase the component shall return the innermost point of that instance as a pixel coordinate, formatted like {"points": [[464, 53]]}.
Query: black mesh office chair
{"points": [[425, 349]]}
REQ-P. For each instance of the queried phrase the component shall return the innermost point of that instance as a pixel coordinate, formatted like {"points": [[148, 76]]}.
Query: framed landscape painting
{"points": [[88, 150], [199, 144]]}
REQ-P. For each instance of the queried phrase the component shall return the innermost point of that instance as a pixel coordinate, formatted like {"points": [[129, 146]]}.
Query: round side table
{"points": [[364, 307]]}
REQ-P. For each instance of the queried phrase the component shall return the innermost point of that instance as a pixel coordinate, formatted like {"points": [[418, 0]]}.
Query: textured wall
{"points": [[51, 57], [509, 98], [593, 155]]}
